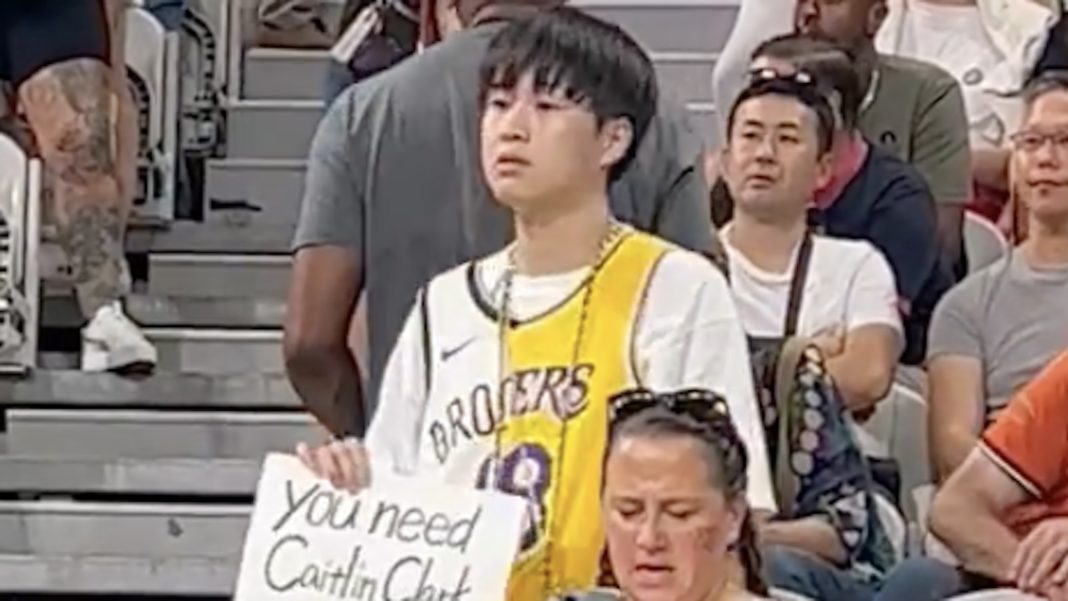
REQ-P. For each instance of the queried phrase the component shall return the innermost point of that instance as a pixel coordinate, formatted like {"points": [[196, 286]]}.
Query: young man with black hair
{"points": [[394, 195], [503, 370]]}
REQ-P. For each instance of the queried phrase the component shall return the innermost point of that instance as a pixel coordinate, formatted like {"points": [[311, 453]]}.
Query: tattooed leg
{"points": [[68, 106], [126, 112]]}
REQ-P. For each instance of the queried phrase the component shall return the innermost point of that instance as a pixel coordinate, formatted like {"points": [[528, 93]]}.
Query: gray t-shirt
{"points": [[394, 174], [1011, 317]]}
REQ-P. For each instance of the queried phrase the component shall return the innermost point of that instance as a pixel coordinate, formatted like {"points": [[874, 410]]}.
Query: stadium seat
{"points": [[783, 595], [20, 214], [152, 67], [1003, 594], [894, 524], [899, 430], [206, 69], [983, 242], [930, 545]]}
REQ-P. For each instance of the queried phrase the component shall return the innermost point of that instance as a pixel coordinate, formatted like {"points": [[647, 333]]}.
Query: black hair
{"points": [[1053, 80], [592, 61], [808, 94], [831, 65], [724, 454]]}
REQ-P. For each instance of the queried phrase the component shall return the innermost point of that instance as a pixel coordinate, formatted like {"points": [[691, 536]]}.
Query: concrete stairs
{"points": [[116, 486]]}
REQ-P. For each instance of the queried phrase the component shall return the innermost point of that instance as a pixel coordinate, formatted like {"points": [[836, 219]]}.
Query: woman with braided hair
{"points": [[674, 501]]}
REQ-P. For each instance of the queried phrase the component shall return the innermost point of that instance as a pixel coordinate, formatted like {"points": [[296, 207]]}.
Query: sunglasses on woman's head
{"points": [[700, 405]]}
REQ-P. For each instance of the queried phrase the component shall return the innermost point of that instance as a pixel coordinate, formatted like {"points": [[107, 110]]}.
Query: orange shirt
{"points": [[1029, 441]]}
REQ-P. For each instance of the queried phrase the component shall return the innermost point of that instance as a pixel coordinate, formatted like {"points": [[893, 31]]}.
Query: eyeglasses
{"points": [[701, 405], [1031, 141]]}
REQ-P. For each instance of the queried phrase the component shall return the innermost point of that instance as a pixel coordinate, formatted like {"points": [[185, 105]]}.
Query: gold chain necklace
{"points": [[615, 234]]}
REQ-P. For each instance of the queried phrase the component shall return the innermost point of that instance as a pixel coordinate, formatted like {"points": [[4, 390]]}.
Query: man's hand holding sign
{"points": [[401, 540]]}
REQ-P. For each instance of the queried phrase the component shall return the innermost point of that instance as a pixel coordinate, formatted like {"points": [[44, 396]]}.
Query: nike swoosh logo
{"points": [[449, 353]]}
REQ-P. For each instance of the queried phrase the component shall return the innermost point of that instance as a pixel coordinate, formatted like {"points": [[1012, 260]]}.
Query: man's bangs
{"points": [[550, 75]]}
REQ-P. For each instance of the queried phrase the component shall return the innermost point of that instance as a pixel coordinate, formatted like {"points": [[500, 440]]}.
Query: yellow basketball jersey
{"points": [[551, 448]]}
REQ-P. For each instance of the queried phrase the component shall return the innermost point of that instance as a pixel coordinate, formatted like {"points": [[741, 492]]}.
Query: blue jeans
{"points": [[922, 579], [916, 579], [169, 12], [805, 574]]}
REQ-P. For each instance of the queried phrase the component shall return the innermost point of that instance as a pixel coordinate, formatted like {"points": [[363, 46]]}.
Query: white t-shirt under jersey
{"points": [[849, 284], [688, 335]]}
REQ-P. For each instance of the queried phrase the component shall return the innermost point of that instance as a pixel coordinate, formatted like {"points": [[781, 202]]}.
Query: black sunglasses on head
{"points": [[701, 405]]}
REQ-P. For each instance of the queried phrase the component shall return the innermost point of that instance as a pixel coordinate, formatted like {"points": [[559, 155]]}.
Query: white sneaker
{"points": [[112, 342]]}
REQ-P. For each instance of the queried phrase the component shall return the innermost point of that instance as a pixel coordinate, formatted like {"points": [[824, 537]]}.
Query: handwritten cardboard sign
{"points": [[400, 540]]}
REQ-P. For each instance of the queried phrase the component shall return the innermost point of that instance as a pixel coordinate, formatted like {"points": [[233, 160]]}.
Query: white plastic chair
{"points": [[211, 55], [983, 241], [898, 430], [931, 546], [894, 524], [779, 594], [20, 237], [152, 66], [1001, 594]]}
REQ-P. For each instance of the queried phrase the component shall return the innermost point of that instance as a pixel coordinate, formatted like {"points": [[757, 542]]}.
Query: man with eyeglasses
{"points": [[983, 348], [1001, 511]]}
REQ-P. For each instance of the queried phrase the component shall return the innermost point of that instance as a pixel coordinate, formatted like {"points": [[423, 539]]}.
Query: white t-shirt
{"points": [[688, 335], [849, 284], [955, 39]]}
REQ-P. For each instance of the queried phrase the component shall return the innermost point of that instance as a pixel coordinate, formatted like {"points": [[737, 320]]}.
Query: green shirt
{"points": [[917, 113]]}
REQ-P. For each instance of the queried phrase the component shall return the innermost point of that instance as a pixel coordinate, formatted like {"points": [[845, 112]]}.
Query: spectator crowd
{"points": [[517, 267]]}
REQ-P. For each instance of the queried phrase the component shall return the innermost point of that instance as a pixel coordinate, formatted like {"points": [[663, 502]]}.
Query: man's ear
{"points": [[723, 161], [824, 170], [617, 136], [876, 16]]}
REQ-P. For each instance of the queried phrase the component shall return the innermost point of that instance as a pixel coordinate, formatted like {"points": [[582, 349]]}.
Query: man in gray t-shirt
{"points": [[394, 195], [990, 336]]}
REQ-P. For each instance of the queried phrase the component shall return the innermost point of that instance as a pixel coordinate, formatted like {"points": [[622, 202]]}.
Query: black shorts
{"points": [[37, 33]]}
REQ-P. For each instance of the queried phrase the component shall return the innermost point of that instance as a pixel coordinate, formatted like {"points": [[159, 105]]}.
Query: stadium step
{"points": [[705, 121], [271, 129], [79, 475], [218, 275], [175, 311], [283, 74], [143, 434], [660, 25], [254, 192], [217, 351], [75, 388], [274, 129], [686, 76], [148, 530], [670, 25], [101, 575], [226, 238]]}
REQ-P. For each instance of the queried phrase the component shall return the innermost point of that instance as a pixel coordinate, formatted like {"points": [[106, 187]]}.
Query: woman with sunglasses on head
{"points": [[674, 502]]}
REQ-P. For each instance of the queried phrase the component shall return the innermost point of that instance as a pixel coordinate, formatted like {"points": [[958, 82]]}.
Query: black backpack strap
{"points": [[797, 286]]}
